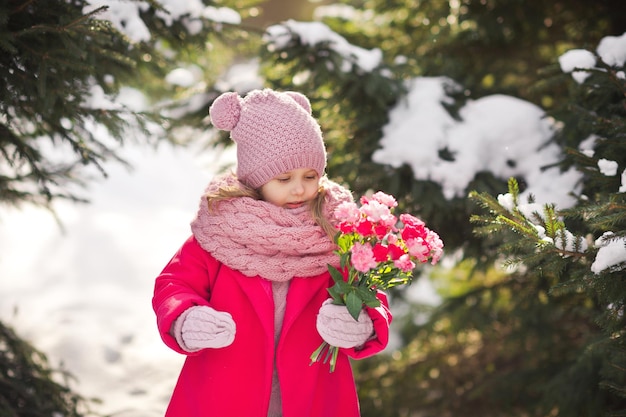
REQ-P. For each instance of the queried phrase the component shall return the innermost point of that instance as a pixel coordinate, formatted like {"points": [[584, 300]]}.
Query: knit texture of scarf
{"points": [[259, 238]]}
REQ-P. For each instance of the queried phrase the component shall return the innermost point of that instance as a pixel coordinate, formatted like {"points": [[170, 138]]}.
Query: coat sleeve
{"points": [[185, 281], [381, 318]]}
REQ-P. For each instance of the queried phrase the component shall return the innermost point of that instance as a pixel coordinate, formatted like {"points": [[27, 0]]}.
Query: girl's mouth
{"points": [[294, 205]]}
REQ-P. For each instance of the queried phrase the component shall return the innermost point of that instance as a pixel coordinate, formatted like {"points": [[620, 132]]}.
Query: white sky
{"points": [[83, 295]]}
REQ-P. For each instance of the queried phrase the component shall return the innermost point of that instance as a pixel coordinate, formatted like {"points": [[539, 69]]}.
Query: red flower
{"points": [[380, 230], [380, 252], [395, 252], [412, 232], [364, 228], [346, 227]]}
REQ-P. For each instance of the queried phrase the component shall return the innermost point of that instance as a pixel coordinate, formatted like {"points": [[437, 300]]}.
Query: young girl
{"points": [[245, 297]]}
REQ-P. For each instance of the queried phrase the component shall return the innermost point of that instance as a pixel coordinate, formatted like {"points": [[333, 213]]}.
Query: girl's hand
{"points": [[202, 327], [338, 328]]}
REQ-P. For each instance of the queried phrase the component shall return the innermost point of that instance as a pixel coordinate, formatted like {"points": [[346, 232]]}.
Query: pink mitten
{"points": [[201, 327], [338, 328]]}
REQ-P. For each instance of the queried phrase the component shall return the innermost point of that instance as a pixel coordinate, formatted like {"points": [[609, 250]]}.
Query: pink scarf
{"points": [[259, 238]]}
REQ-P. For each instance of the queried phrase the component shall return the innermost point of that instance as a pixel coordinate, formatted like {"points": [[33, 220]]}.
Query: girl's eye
{"points": [[283, 179]]}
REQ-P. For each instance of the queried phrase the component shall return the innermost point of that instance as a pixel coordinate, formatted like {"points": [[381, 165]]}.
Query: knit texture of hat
{"points": [[274, 132]]}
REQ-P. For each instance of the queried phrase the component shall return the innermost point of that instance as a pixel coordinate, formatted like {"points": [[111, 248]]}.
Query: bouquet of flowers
{"points": [[377, 251]]}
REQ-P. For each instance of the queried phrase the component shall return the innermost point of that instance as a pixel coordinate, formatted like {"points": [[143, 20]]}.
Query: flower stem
{"points": [[327, 352], [331, 354]]}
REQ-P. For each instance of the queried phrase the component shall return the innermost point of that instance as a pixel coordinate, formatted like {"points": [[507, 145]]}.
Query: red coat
{"points": [[236, 380]]}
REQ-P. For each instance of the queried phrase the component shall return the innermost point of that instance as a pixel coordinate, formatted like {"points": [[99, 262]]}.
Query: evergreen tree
{"points": [[502, 343], [353, 105], [27, 383], [571, 246], [62, 68]]}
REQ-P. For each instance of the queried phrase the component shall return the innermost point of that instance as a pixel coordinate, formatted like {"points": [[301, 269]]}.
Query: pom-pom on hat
{"points": [[274, 132]]}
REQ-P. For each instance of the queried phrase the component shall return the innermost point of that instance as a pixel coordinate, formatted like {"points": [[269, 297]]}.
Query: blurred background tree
{"points": [[29, 386], [64, 70]]}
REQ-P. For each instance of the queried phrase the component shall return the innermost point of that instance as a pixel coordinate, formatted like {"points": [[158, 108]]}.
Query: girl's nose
{"points": [[298, 188]]}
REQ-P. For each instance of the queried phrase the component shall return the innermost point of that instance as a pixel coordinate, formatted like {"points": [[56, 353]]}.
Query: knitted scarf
{"points": [[259, 238]]}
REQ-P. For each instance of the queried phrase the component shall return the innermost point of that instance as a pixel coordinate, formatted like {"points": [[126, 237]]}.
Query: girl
{"points": [[245, 297]]}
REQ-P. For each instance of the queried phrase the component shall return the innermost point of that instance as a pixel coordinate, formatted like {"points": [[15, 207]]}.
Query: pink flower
{"points": [[404, 263], [436, 255], [436, 246], [347, 212], [418, 249], [381, 251], [375, 211], [410, 220], [385, 199], [363, 257]]}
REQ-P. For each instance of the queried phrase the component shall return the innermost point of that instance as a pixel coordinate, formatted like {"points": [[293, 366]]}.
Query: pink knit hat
{"points": [[274, 132]]}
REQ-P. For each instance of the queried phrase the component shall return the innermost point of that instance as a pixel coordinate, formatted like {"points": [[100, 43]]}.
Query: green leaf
{"points": [[373, 303], [354, 304], [344, 287], [344, 242], [366, 295], [334, 272], [345, 260], [335, 294]]}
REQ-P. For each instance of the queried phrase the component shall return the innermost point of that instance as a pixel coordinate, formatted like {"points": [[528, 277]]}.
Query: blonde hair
{"points": [[238, 189], [226, 192], [317, 210]]}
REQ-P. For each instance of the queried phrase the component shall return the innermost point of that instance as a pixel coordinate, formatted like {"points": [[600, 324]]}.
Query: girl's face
{"points": [[292, 189]]}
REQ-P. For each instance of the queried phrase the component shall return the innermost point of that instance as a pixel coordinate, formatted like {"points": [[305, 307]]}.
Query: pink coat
{"points": [[236, 380]]}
